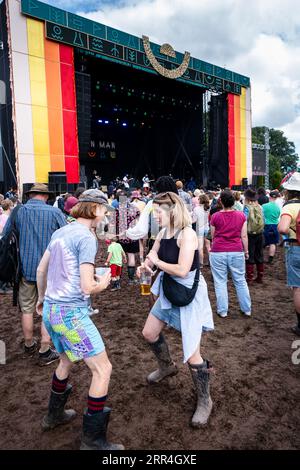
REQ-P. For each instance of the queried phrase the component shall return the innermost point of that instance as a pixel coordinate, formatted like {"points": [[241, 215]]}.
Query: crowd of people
{"points": [[169, 231]]}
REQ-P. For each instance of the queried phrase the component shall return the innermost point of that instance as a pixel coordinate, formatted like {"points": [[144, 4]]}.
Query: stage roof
{"points": [[108, 43]]}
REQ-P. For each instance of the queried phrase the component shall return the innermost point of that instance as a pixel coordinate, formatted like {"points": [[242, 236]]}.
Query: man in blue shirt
{"points": [[36, 222]]}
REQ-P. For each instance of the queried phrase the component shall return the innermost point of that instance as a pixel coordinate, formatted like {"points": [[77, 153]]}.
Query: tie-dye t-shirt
{"points": [[69, 247]]}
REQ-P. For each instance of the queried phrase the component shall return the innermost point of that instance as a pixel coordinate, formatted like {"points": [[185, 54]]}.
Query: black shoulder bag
{"points": [[178, 294]]}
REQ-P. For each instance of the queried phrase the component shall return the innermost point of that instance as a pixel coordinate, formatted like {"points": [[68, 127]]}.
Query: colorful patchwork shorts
{"points": [[72, 331]]}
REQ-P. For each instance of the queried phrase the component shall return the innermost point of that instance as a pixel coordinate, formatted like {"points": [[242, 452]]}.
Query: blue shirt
{"points": [[69, 247], [36, 222]]}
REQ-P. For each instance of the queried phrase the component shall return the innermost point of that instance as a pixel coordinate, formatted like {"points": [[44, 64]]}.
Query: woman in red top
{"points": [[228, 253]]}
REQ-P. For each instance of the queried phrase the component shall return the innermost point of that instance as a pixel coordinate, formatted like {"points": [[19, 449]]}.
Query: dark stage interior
{"points": [[134, 122]]}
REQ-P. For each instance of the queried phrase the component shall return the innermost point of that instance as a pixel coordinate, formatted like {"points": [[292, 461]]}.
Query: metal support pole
{"points": [[267, 149]]}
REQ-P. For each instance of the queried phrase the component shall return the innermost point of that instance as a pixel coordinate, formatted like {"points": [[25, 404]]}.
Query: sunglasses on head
{"points": [[169, 196]]}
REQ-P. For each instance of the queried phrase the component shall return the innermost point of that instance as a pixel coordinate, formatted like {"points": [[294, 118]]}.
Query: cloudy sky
{"points": [[257, 38]]}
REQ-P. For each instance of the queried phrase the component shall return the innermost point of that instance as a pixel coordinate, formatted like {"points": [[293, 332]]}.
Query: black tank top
{"points": [[169, 252]]}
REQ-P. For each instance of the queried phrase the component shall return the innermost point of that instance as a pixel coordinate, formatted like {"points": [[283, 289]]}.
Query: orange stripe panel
{"points": [[54, 106]]}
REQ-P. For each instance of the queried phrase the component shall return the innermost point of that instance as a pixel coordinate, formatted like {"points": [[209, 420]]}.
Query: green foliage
{"points": [[275, 180]]}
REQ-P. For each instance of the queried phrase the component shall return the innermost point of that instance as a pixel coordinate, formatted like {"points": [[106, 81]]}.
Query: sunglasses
{"points": [[164, 195]]}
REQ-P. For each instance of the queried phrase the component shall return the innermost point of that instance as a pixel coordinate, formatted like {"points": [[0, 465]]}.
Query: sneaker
{"points": [[93, 311], [30, 350], [222, 314], [48, 357], [248, 314]]}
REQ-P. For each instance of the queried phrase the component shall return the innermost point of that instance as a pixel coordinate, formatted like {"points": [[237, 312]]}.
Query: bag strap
{"points": [[197, 277], [14, 216], [294, 201]]}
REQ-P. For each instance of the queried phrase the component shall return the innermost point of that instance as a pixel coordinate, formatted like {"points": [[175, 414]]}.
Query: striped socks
{"points": [[59, 386], [96, 405]]}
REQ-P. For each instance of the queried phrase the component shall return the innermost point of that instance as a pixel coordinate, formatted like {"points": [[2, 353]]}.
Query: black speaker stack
{"points": [[245, 183], [84, 109], [237, 187], [57, 182]]}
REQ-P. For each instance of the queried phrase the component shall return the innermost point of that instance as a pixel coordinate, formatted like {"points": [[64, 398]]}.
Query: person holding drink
{"points": [[175, 254], [66, 279]]}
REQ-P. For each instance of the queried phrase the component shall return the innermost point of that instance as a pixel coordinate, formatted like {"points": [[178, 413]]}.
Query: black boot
{"points": [[201, 375], [131, 273], [296, 328], [56, 413], [167, 368], [94, 432]]}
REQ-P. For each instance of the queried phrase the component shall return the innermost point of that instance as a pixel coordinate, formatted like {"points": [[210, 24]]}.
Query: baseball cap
{"points": [[275, 193], [95, 195]]}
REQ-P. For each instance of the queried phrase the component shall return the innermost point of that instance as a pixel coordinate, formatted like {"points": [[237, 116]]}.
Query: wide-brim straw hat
{"points": [[40, 188]]}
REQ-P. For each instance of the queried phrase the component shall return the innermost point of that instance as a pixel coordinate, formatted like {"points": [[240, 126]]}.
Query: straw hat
{"points": [[40, 188]]}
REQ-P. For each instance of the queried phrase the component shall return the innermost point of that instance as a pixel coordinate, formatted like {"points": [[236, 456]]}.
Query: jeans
{"points": [[234, 262]]}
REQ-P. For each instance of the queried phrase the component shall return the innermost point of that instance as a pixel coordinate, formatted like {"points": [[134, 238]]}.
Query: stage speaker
{"points": [[57, 177], [84, 110], [26, 187], [245, 183]]}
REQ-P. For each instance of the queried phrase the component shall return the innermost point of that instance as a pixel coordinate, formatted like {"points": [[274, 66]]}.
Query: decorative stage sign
{"points": [[137, 58], [167, 50], [106, 42]]}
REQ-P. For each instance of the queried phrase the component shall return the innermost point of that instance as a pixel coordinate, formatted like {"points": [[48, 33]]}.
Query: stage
{"points": [[82, 96]]}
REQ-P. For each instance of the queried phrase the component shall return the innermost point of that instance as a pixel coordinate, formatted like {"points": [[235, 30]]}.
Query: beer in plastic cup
{"points": [[145, 283]]}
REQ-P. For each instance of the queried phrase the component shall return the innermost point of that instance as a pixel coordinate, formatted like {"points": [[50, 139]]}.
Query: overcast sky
{"points": [[257, 38]]}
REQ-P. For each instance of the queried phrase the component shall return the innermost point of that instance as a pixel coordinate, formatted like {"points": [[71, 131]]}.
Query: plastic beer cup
{"points": [[145, 283]]}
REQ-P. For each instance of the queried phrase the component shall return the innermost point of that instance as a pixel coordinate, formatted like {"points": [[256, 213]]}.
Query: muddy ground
{"points": [[255, 388]]}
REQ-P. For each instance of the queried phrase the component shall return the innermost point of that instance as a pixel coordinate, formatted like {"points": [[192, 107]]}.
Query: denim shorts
{"points": [[271, 235], [170, 316], [72, 331], [292, 258]]}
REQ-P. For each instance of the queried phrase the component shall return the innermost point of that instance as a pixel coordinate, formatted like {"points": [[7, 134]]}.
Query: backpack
{"points": [[10, 266], [296, 201], [255, 221]]}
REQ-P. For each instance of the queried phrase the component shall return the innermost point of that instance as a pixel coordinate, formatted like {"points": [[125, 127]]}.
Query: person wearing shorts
{"points": [[116, 257], [288, 226], [66, 279], [272, 215]]}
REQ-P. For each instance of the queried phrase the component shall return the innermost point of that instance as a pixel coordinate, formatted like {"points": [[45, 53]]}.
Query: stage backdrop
{"points": [[43, 84], [239, 137]]}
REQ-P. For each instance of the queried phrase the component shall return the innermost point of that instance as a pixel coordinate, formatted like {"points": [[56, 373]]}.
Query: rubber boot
{"points": [[296, 328], [56, 413], [167, 368], [260, 273], [131, 273], [201, 376], [249, 273], [94, 431]]}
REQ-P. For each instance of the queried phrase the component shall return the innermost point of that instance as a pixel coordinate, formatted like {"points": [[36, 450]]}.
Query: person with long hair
{"points": [[175, 253], [228, 253], [66, 279]]}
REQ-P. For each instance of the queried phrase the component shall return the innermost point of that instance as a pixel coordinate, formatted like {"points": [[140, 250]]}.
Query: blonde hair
{"points": [[7, 204], [237, 196], [179, 215]]}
